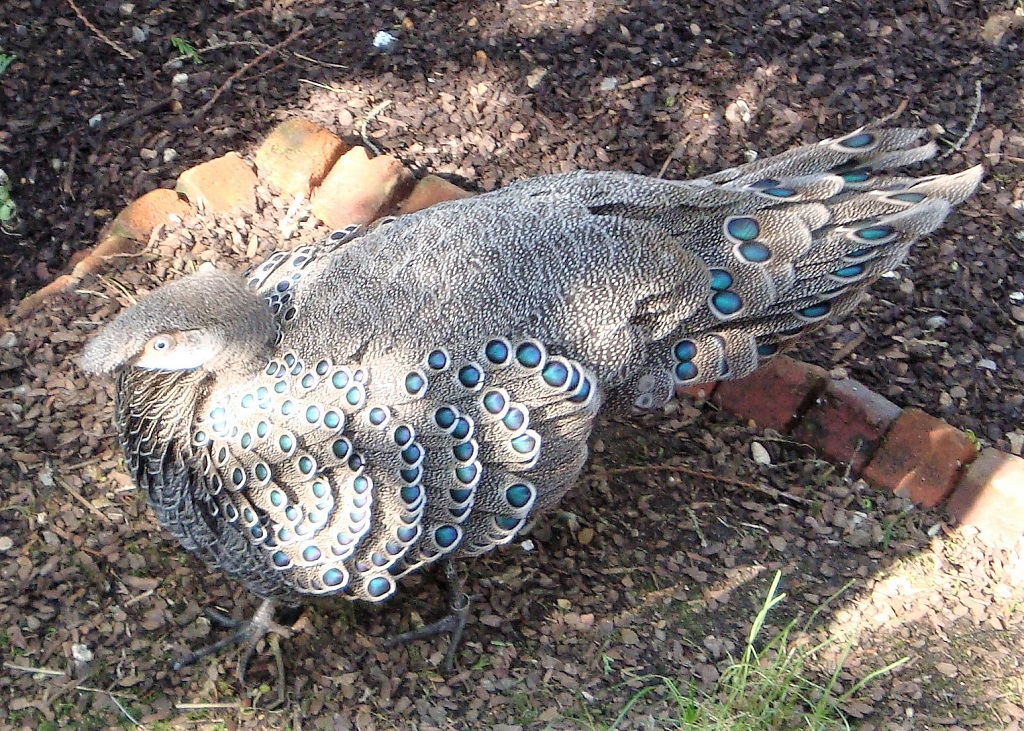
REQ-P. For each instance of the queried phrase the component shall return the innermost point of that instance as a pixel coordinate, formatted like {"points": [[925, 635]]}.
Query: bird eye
{"points": [[161, 343]]}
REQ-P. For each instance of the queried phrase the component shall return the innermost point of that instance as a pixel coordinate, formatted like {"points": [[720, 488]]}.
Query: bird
{"points": [[414, 392]]}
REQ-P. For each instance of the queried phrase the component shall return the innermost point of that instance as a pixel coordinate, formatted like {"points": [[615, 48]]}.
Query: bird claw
{"points": [[453, 622], [247, 634]]}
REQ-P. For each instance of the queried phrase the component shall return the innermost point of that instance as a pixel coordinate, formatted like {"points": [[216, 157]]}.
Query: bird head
{"points": [[209, 320]]}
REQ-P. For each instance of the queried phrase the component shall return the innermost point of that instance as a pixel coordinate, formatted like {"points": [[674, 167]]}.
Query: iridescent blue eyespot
{"points": [[438, 360], [464, 452], [855, 176], [377, 416], [287, 407], [360, 485], [285, 442], [779, 192], [529, 355], [874, 233], [720, 279], [854, 270], [514, 419], [686, 371], [319, 489], [506, 523], [742, 228], [333, 577], [908, 197], [818, 310], [496, 351], [446, 535], [281, 559], [414, 383], [461, 429], [340, 448], [410, 494], [494, 402], [444, 417], [247, 401], [246, 440], [332, 419], [280, 387], [406, 533], [339, 379], [767, 349], [555, 374], [306, 464], [311, 553], [262, 471], [858, 141], [353, 396], [312, 414], [308, 380], [466, 473], [411, 476], [754, 251], [378, 587], [322, 367], [858, 253], [764, 183], [276, 498], [583, 393], [470, 376], [685, 350], [518, 496], [524, 443], [727, 303], [412, 454], [403, 435]]}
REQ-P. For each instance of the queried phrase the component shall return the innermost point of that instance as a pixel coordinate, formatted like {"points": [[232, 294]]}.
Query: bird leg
{"points": [[453, 622], [247, 634]]}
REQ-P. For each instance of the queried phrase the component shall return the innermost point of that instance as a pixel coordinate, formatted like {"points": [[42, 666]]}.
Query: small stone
{"points": [[987, 364], [6, 544], [935, 322], [139, 35], [958, 392], [179, 79], [760, 454], [147, 154], [81, 652], [8, 340], [609, 83], [585, 536], [536, 76], [170, 154], [127, 9]]}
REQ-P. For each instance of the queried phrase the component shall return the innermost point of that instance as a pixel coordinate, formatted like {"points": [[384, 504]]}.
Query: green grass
{"points": [[772, 685]]}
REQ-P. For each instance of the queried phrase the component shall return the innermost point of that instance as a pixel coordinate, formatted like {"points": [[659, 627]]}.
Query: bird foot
{"points": [[247, 634], [453, 622]]}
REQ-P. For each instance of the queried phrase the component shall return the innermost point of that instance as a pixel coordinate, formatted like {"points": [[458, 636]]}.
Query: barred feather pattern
{"points": [[348, 413]]}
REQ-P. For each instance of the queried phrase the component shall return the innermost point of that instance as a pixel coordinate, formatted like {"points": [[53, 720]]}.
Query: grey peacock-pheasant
{"points": [[345, 414]]}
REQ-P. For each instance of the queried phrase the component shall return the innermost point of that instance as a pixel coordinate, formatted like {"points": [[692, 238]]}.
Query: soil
{"points": [[657, 562]]}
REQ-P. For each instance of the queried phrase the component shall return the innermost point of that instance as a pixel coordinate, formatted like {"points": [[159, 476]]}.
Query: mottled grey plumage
{"points": [[351, 412]]}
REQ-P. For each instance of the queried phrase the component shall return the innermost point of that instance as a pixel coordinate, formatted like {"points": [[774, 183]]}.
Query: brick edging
{"points": [[902, 450]]}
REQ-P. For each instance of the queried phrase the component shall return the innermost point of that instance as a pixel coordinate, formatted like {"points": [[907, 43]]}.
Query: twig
{"points": [[139, 114], [365, 120], [680, 469], [100, 34], [34, 671], [80, 498], [956, 146], [235, 76], [205, 706]]}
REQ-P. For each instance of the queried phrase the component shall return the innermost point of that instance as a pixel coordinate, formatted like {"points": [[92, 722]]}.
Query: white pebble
{"points": [[759, 453], [988, 364]]}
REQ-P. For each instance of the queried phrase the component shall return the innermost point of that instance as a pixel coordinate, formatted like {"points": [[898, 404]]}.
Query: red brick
{"points": [[359, 189], [430, 191], [920, 458], [700, 391], [847, 422], [296, 155], [226, 185], [990, 495], [776, 395], [138, 219]]}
